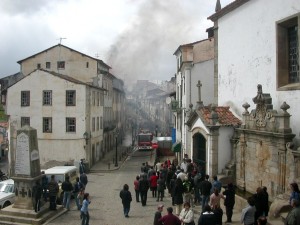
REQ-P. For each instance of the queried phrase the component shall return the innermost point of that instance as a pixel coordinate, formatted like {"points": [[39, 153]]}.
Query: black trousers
{"points": [[52, 200], [144, 197], [229, 212]]}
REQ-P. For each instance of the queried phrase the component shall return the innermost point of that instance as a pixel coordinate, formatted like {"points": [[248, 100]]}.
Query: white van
{"points": [[60, 173]]}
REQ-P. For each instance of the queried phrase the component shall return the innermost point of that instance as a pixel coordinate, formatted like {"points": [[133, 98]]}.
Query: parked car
{"points": [[60, 173], [7, 193]]}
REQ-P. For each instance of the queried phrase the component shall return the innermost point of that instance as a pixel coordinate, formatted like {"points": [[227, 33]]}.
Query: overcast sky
{"points": [[137, 38]]}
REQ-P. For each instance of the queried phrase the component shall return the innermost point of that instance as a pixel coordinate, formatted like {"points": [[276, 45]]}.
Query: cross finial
{"points": [[97, 55], [199, 102]]}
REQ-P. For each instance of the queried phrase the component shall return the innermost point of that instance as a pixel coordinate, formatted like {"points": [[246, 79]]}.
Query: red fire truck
{"points": [[145, 140]]}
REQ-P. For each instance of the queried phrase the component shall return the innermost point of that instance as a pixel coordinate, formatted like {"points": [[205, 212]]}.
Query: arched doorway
{"points": [[199, 151]]}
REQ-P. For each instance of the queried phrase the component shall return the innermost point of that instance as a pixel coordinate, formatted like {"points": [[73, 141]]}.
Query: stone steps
{"points": [[10, 215]]}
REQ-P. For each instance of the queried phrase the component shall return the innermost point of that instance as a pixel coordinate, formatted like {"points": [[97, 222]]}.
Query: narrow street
{"points": [[106, 207]]}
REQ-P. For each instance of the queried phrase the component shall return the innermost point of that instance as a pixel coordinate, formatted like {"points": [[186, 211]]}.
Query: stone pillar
{"points": [[213, 154], [26, 168]]}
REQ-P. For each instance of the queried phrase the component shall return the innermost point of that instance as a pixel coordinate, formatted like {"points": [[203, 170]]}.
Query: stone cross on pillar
{"points": [[199, 102]]}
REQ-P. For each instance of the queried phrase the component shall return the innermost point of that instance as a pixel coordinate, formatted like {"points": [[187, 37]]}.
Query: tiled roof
{"points": [[226, 117], [4, 124]]}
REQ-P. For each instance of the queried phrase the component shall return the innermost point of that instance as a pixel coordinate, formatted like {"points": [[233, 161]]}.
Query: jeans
{"points": [[66, 200], [126, 210], [85, 218], [205, 199], [77, 200]]}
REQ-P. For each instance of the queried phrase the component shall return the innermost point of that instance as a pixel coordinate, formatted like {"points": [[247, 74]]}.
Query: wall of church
{"points": [[247, 55], [203, 71]]}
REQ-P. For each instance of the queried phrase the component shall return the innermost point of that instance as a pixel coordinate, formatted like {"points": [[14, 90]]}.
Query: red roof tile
{"points": [[226, 117]]}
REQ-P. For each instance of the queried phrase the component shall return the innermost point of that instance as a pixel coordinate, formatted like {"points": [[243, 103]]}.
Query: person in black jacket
{"points": [[229, 201], [266, 201], [144, 187], [207, 217], [125, 195], [67, 188], [205, 191], [259, 203], [37, 193]]}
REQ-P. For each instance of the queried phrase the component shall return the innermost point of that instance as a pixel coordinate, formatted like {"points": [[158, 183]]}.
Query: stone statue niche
{"points": [[261, 155], [26, 169]]}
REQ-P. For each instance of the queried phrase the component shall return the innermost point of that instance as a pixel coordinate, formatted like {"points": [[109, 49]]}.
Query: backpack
{"points": [[187, 186]]}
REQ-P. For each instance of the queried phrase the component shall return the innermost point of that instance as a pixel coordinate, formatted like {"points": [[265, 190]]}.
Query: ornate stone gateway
{"points": [[261, 153]]}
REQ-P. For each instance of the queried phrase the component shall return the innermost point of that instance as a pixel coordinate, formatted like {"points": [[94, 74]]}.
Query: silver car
{"points": [[7, 194]]}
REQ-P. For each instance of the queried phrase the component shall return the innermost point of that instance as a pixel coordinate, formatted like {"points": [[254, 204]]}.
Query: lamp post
{"points": [[116, 136], [86, 137]]}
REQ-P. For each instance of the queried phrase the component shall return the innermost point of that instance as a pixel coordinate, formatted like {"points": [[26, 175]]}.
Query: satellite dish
{"points": [[168, 100]]}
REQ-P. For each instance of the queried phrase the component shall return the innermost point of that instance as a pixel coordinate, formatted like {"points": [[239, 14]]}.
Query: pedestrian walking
{"points": [[186, 215], [295, 192], [229, 201], [205, 191], [67, 188], [248, 213], [170, 218], [45, 186], [178, 195], [125, 195], [161, 186], [80, 197], [216, 184], [215, 198], [85, 216], [53, 189], [153, 184], [81, 167], [293, 217], [37, 193], [136, 188], [76, 190], [157, 214], [266, 201], [207, 217], [144, 187], [259, 198], [83, 179]]}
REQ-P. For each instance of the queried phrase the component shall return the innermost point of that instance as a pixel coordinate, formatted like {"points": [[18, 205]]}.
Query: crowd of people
{"points": [[188, 186]]}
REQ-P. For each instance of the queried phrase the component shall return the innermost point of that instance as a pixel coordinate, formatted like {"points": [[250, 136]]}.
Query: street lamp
{"points": [[116, 133], [86, 136]]}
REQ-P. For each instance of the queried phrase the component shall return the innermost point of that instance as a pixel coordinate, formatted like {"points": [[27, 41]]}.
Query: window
{"points": [[25, 121], [101, 122], [61, 65], [47, 125], [38, 66], [93, 124], [93, 98], [98, 98], [47, 97], [48, 65], [98, 123], [25, 98], [288, 75], [87, 64], [70, 98], [70, 124]]}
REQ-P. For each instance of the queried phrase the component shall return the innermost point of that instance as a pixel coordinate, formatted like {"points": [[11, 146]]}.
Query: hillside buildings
{"points": [[72, 100]]}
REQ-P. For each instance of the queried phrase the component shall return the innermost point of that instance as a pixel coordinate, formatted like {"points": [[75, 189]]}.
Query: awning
{"points": [[176, 147]]}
